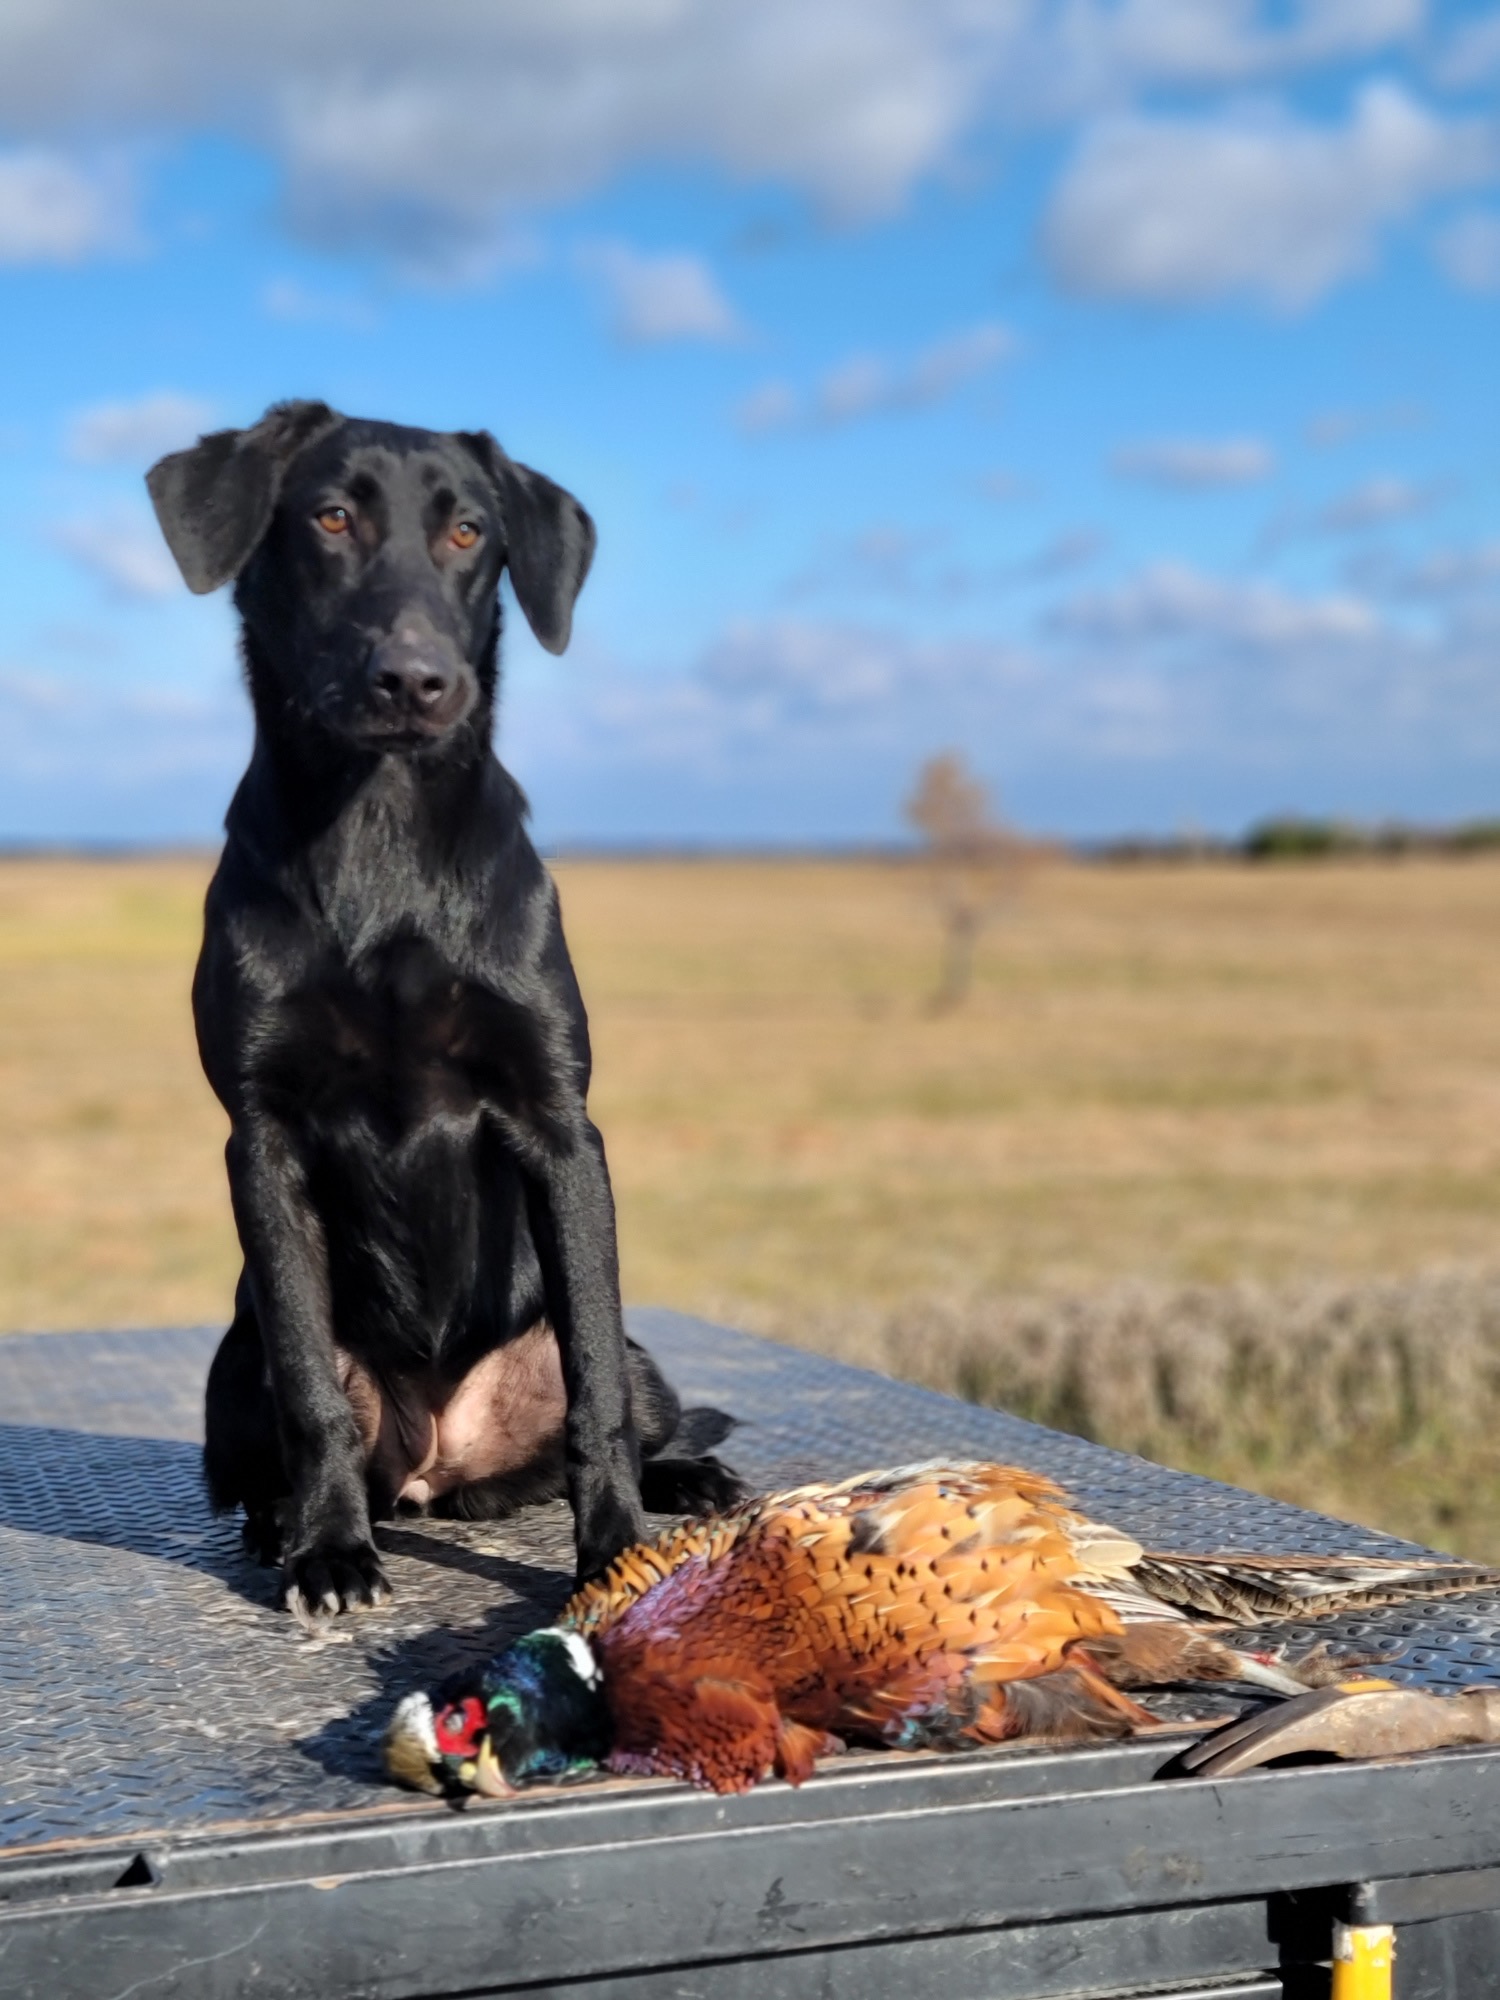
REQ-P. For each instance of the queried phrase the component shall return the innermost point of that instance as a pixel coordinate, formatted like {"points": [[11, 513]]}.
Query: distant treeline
{"points": [[1289, 837], [1286, 837]]}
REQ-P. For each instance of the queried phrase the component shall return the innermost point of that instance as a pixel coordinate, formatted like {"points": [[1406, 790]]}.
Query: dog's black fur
{"points": [[386, 1009]]}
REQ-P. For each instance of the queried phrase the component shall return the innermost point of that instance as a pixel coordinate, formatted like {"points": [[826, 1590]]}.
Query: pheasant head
{"points": [[536, 1712]]}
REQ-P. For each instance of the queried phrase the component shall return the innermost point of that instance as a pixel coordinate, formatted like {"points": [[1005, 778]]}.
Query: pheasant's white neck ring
{"points": [[580, 1653]]}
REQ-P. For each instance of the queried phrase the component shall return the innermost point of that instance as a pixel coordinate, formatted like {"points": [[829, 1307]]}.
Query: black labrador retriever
{"points": [[429, 1313]]}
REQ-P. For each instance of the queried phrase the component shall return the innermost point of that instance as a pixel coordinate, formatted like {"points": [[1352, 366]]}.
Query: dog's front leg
{"points": [[331, 1562], [572, 1214]]}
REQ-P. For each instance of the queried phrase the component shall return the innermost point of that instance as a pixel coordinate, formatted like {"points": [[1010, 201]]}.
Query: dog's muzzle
{"points": [[418, 682]]}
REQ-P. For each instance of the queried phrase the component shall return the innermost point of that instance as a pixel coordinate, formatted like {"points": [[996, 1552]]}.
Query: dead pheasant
{"points": [[936, 1606]]}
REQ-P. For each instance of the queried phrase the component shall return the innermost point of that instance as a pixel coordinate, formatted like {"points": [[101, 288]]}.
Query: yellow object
{"points": [[1363, 1956]]}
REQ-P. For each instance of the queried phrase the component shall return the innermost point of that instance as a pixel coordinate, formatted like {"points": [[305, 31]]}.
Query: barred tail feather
{"points": [[1243, 1589]]}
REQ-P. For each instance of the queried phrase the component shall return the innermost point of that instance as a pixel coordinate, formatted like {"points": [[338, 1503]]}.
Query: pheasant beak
{"points": [[410, 1748], [484, 1774]]}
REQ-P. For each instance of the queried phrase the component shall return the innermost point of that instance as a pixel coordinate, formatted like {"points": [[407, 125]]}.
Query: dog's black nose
{"points": [[415, 682], [414, 673]]}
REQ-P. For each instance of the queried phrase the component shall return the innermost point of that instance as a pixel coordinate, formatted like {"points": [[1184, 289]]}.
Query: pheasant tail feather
{"points": [[1242, 1589]]}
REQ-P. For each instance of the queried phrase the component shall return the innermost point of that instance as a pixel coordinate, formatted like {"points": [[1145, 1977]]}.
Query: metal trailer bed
{"points": [[190, 1802]]}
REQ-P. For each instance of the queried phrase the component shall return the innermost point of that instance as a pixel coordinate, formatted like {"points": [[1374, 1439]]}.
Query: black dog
{"points": [[429, 1312]]}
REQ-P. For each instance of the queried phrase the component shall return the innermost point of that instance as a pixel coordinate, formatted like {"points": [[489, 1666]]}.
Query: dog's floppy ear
{"points": [[215, 500], [549, 540]]}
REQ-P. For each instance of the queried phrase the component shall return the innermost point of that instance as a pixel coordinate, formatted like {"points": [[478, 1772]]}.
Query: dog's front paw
{"points": [[335, 1575]]}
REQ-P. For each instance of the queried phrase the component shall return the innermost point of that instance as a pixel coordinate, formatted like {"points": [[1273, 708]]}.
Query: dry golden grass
{"points": [[1191, 1074], [112, 1202], [1165, 1078]]}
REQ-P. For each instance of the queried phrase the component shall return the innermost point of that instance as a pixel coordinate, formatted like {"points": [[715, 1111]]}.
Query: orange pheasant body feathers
{"points": [[931, 1607], [898, 1608]]}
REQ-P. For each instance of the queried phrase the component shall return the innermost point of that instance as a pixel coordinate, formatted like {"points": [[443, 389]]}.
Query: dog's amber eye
{"points": [[465, 535], [334, 520]]}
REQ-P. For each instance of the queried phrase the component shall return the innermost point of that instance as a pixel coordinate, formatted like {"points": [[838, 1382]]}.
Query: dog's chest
{"points": [[398, 1039]]}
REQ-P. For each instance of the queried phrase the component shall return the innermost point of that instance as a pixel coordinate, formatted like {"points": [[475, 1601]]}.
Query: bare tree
{"points": [[975, 864]]}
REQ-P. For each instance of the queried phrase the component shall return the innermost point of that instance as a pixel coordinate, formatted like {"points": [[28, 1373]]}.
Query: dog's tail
{"points": [[698, 1431]]}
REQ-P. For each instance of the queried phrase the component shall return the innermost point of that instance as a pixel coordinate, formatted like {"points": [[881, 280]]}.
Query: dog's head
{"points": [[366, 559]]}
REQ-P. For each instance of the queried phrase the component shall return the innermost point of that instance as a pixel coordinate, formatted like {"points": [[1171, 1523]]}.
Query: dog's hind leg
{"points": [[242, 1461], [505, 1493], [679, 1473], [678, 1481]]}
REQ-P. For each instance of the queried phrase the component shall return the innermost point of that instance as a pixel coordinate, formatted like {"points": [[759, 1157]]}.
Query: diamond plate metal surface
{"points": [[150, 1684]]}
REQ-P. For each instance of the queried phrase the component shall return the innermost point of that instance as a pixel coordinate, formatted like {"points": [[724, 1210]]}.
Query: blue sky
{"points": [[1103, 388]]}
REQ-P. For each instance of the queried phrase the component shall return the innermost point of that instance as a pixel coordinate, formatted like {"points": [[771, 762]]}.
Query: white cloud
{"points": [[1471, 54], [1073, 549], [1334, 427], [137, 431], [1375, 503], [124, 550], [866, 385], [1249, 676], [854, 388], [424, 132], [1441, 573], [1257, 204], [36, 694], [1196, 463], [1449, 571], [851, 100], [1088, 53], [884, 557], [1206, 688], [944, 366], [55, 211], [1379, 502], [1337, 427], [896, 562], [671, 295], [1468, 249], [81, 759], [1172, 601], [785, 687], [798, 671], [769, 408]]}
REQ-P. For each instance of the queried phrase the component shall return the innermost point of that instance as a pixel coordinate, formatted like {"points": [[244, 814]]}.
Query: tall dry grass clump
{"points": [[1381, 1394], [1254, 1368]]}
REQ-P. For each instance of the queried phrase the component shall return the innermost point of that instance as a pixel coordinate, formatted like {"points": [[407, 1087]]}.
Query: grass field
{"points": [[1186, 1112]]}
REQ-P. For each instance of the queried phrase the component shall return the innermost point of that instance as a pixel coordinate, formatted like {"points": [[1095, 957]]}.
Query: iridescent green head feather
{"points": [[544, 1697]]}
